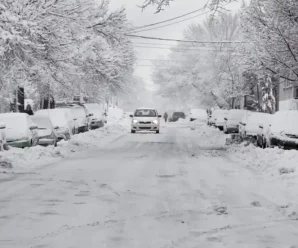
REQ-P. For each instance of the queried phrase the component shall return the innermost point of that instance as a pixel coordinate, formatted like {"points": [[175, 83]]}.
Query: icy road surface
{"points": [[145, 190]]}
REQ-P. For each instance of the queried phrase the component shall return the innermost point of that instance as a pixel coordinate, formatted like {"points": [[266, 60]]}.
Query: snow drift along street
{"points": [[34, 156]]}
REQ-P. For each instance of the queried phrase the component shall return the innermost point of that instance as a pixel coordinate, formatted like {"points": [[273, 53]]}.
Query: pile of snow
{"points": [[274, 161], [37, 156], [114, 115], [210, 136], [182, 121]]}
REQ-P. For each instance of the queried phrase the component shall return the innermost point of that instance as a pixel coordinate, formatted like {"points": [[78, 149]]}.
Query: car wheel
{"points": [[157, 131], [56, 143], [133, 131]]}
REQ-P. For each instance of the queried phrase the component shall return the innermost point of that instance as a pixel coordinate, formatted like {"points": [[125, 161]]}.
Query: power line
{"points": [[186, 41], [174, 18], [173, 23], [168, 20], [167, 45], [169, 60], [182, 49]]}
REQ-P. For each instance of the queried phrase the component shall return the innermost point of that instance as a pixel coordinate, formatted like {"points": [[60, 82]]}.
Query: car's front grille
{"points": [[145, 128], [292, 136], [145, 122]]}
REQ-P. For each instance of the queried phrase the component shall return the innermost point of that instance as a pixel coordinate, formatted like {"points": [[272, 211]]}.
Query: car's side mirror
{"points": [[261, 126], [56, 127], [2, 126], [225, 118], [33, 127], [131, 116], [159, 116]]}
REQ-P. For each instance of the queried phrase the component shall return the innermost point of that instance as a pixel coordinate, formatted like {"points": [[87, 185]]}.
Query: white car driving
{"points": [[145, 120]]}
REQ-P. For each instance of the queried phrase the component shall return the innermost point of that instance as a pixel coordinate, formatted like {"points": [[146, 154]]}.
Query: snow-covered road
{"points": [[175, 189]]}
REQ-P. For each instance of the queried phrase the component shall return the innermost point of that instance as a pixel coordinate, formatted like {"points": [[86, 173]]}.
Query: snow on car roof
{"points": [[13, 114], [146, 108]]}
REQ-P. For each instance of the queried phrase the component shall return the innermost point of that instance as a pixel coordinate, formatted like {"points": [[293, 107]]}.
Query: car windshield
{"points": [[42, 122], [178, 114], [13, 122], [236, 114], [57, 116], [78, 112], [257, 118], [145, 113]]}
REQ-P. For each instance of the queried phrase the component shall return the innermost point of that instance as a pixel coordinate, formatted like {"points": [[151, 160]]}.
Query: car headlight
{"points": [[155, 122], [135, 121]]}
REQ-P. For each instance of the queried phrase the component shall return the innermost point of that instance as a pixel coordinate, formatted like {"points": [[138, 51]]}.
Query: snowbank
{"points": [[114, 114], [36, 156], [211, 136], [274, 161]]}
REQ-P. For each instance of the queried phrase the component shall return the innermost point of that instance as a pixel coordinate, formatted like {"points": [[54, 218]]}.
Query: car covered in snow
{"points": [[20, 130], [218, 118], [198, 114], [250, 124], [233, 119], [46, 131], [3, 143], [97, 116], [176, 116], [82, 117], [62, 120], [145, 119], [283, 130]]}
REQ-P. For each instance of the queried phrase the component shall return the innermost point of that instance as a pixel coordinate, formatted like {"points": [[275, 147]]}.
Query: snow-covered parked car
{"points": [[62, 120], [3, 144], [176, 116], [97, 115], [283, 130], [82, 118], [46, 131], [20, 130], [233, 119], [198, 114], [219, 118], [250, 124], [145, 119]]}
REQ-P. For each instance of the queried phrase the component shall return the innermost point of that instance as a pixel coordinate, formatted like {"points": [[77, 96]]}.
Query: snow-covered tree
{"points": [[272, 27], [63, 47], [208, 74], [214, 5]]}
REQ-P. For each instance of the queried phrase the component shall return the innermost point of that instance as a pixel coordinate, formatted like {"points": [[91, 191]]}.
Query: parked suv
{"points": [[250, 124], [233, 119], [283, 130], [177, 115]]}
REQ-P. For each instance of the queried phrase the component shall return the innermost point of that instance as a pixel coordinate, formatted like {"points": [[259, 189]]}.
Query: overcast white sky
{"points": [[139, 18]]}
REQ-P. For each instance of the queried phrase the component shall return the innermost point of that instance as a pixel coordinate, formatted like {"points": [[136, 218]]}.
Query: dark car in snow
{"points": [[177, 115]]}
